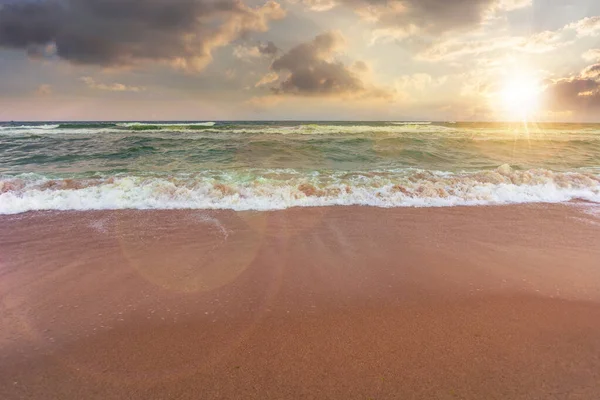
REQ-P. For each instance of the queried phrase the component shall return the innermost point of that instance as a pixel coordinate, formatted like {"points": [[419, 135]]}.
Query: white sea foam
{"points": [[24, 127], [43, 130], [412, 123], [212, 127], [530, 133], [166, 124], [300, 129], [274, 190], [314, 129]]}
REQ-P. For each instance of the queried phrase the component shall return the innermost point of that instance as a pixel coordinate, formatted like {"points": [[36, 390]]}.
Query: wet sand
{"points": [[323, 303]]}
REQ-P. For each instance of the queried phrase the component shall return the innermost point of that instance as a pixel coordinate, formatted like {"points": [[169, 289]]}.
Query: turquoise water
{"points": [[274, 165]]}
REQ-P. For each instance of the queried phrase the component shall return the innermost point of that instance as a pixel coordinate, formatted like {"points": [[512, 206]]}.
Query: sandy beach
{"points": [[495, 302]]}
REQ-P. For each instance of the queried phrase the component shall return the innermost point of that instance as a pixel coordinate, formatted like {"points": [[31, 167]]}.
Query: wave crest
{"points": [[280, 189]]}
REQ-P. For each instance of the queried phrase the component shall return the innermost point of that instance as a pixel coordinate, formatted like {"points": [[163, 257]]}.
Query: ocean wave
{"points": [[176, 126], [58, 129], [318, 129], [27, 127], [562, 132], [233, 128], [280, 189], [92, 128], [300, 129], [86, 125], [129, 124], [412, 123]]}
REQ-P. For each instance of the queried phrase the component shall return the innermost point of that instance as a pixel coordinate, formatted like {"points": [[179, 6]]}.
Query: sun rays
{"points": [[519, 97]]}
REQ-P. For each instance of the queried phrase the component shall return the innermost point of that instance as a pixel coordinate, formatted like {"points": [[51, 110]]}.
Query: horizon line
{"points": [[298, 120]]}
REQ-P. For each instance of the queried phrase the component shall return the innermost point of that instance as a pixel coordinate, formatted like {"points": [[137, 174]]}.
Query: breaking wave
{"points": [[223, 127], [280, 189], [20, 128], [488, 130]]}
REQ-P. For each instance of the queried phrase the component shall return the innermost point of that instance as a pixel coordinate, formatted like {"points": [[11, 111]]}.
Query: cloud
{"points": [[182, 33], [418, 82], [401, 18], [591, 72], [268, 78], [577, 94], [321, 5], [589, 26], [248, 53], [113, 87], [416, 87], [591, 55], [452, 48], [269, 49], [510, 5], [310, 69], [542, 42]]}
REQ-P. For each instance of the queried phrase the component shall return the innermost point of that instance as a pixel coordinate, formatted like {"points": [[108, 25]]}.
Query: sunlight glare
{"points": [[520, 97]]}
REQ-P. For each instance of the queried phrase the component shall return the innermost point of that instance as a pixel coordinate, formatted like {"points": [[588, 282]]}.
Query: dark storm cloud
{"points": [[311, 70], [122, 32]]}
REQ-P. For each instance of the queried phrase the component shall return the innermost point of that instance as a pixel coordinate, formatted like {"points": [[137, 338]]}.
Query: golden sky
{"points": [[300, 59]]}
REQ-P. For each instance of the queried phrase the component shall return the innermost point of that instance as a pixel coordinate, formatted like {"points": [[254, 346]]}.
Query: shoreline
{"points": [[576, 202], [331, 302]]}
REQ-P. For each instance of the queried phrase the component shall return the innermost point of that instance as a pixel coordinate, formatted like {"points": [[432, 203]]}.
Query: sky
{"points": [[440, 60]]}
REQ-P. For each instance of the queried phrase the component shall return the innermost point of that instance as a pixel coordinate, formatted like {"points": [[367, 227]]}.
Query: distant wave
{"points": [[91, 125], [26, 127], [209, 123], [212, 127], [96, 127], [413, 123], [280, 189], [481, 130], [164, 125]]}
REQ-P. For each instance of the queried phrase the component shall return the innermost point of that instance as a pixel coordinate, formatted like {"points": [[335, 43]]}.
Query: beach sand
{"points": [[497, 302]]}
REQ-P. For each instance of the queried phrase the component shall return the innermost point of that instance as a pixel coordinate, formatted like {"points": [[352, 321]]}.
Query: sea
{"points": [[277, 165]]}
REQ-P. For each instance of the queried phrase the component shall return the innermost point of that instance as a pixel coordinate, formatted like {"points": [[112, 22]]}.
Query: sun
{"points": [[520, 97]]}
